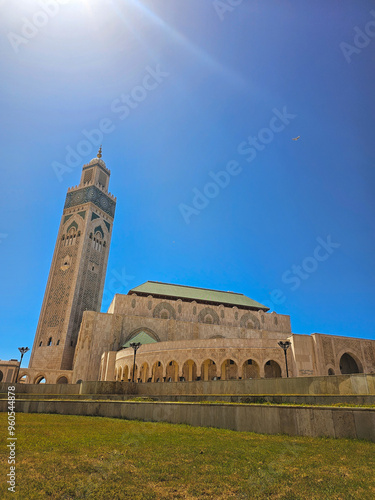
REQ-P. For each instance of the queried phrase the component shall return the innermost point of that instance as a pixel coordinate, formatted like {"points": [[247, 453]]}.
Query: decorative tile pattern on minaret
{"points": [[76, 279]]}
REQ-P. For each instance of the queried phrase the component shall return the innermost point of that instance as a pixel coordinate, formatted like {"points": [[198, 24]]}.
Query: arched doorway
{"points": [[208, 370], [229, 370], [171, 374], [62, 380], [189, 371], [250, 369], [272, 369], [331, 371], [349, 365], [135, 373], [157, 372], [144, 372]]}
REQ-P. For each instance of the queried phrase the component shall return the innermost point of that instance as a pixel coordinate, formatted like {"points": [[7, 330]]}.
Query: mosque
{"points": [[182, 333]]}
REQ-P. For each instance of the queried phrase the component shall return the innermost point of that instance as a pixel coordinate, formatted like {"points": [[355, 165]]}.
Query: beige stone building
{"points": [[189, 333], [8, 370], [186, 333]]}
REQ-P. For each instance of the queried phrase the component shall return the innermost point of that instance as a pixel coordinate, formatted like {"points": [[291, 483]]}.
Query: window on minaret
{"points": [[97, 242], [49, 341], [72, 233], [102, 179], [88, 176]]}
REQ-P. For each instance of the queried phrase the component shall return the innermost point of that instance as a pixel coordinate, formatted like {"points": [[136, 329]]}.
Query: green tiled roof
{"points": [[191, 293], [141, 337]]}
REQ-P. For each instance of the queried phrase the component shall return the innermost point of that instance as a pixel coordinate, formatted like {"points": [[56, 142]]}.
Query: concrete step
{"points": [[238, 398]]}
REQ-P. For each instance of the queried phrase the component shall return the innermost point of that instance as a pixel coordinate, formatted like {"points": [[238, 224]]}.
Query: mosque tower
{"points": [[78, 269]]}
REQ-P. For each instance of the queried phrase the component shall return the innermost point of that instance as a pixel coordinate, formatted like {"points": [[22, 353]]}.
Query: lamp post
{"points": [[23, 350], [135, 346], [285, 346]]}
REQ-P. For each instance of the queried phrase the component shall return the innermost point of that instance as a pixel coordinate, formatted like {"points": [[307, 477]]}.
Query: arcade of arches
{"points": [[155, 366], [189, 370]]}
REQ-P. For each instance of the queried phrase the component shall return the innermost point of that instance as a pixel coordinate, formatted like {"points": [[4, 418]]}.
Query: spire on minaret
{"points": [[99, 155]]}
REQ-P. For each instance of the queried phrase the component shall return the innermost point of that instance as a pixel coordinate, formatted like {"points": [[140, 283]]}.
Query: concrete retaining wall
{"points": [[330, 422], [322, 399], [41, 388], [340, 384]]}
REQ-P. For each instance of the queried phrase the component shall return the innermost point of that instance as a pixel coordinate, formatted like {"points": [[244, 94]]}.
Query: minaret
{"points": [[78, 269]]}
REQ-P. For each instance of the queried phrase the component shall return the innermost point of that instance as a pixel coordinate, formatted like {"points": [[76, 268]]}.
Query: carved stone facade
{"points": [[183, 334], [78, 269], [8, 370], [183, 346]]}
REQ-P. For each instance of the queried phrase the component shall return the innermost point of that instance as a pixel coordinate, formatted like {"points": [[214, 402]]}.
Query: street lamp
{"points": [[135, 346], [23, 350], [285, 346]]}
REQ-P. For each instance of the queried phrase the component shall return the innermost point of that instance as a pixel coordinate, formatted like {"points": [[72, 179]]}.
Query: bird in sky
{"points": [[295, 138]]}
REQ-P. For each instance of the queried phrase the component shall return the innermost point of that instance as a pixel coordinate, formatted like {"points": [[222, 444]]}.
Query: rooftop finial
{"points": [[99, 155]]}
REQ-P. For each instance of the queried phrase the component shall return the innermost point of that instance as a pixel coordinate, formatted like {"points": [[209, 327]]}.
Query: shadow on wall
{"points": [[349, 365]]}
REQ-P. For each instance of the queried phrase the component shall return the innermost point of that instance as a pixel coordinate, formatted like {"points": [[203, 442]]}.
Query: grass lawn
{"points": [[73, 457]]}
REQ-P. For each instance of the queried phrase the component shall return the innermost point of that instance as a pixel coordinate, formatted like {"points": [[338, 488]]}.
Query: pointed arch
{"points": [[171, 372], [229, 369], [189, 370], [208, 315], [249, 320], [164, 306], [72, 225], [62, 380], [148, 337], [99, 229], [144, 372], [40, 379], [209, 370], [157, 372], [272, 369], [250, 369], [349, 363]]}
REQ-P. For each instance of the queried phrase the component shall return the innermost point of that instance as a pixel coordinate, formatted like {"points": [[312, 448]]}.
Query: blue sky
{"points": [[292, 228]]}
